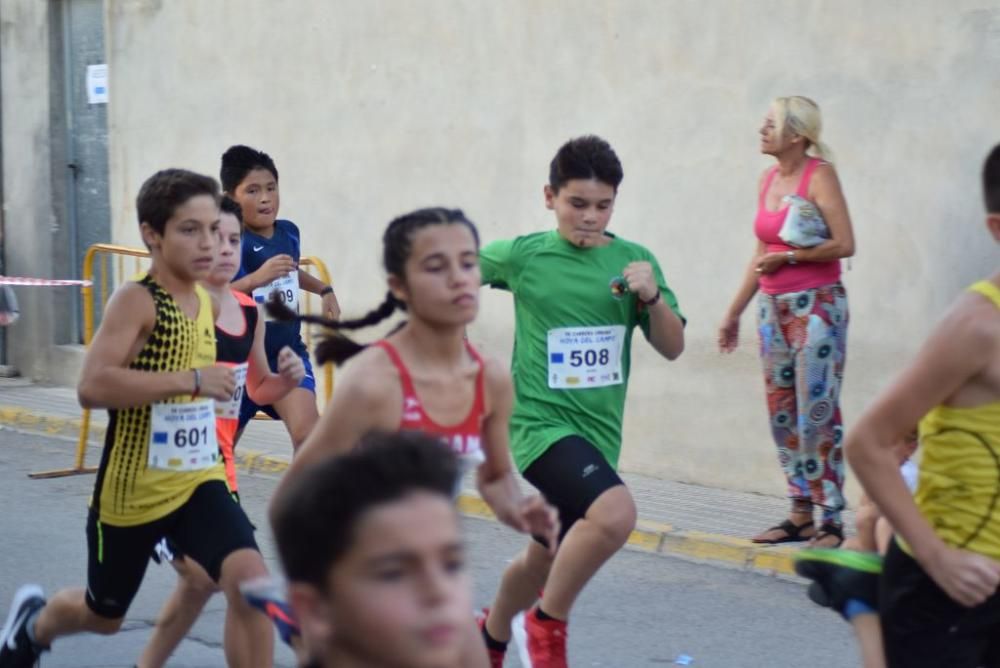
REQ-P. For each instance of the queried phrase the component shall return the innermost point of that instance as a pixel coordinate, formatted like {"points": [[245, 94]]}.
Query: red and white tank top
{"points": [[464, 438]]}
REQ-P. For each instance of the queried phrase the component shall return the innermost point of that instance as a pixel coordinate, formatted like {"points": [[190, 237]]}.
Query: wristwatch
{"points": [[790, 256], [328, 290]]}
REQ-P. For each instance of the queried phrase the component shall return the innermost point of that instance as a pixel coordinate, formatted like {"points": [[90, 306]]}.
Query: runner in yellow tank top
{"points": [[937, 596], [130, 490], [959, 488], [152, 365]]}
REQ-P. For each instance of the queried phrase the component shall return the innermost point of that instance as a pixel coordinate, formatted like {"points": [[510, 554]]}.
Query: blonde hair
{"points": [[802, 116]]}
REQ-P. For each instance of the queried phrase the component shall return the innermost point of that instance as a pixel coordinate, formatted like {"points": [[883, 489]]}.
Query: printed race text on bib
{"points": [[182, 436], [230, 410], [585, 357], [286, 286]]}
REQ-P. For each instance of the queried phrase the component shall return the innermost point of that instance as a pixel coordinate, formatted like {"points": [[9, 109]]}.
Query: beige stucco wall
{"points": [[372, 108], [29, 219]]}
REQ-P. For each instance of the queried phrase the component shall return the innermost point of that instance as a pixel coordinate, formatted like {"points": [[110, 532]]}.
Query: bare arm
{"points": [[729, 330], [357, 407], [826, 192], [748, 288], [105, 380], [310, 283], [274, 267], [263, 385], [957, 351], [495, 477], [748, 285], [246, 285], [666, 331]]}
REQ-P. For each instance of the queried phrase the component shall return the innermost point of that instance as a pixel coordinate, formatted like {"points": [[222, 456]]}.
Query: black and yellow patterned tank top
{"points": [[959, 488], [127, 491]]}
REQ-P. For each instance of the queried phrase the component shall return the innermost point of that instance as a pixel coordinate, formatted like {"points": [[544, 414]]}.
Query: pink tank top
{"points": [[790, 277]]}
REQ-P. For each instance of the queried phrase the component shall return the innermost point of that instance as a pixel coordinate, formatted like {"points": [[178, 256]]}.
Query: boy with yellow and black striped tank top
{"points": [[938, 599], [149, 467], [152, 365]]}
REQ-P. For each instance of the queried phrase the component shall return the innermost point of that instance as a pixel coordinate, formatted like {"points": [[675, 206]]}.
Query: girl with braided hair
{"points": [[425, 376]]}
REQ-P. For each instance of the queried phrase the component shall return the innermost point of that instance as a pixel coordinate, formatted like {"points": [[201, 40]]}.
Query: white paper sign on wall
{"points": [[97, 84]]}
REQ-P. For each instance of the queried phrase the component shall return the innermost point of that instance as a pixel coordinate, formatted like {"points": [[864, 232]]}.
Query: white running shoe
{"points": [[520, 638], [16, 648]]}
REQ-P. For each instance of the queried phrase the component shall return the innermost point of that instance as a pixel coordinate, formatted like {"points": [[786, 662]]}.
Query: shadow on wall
{"points": [[960, 250]]}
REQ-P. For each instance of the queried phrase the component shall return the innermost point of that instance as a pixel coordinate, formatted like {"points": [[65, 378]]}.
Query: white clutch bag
{"points": [[804, 226]]}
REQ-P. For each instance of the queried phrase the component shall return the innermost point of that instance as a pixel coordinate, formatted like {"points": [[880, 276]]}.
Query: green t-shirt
{"points": [[574, 320]]}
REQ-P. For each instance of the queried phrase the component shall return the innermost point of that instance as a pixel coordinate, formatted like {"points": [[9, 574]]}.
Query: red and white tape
{"points": [[47, 282]]}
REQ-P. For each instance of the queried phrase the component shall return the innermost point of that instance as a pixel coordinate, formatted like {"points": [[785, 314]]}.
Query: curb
{"points": [[659, 538], [16, 417], [648, 536]]}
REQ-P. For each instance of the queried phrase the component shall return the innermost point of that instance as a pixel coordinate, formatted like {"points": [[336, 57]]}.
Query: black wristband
{"points": [[652, 302], [328, 290]]}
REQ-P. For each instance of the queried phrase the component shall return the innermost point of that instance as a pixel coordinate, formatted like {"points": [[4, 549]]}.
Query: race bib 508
{"points": [[585, 357]]}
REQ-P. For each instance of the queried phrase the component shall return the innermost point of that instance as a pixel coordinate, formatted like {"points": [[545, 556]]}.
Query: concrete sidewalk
{"points": [[674, 518]]}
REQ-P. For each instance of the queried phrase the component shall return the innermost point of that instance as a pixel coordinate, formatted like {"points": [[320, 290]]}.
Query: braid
{"points": [[396, 246], [336, 347], [277, 310]]}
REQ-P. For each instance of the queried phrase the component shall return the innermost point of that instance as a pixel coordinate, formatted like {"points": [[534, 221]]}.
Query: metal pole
{"points": [[69, 74], [3, 259]]}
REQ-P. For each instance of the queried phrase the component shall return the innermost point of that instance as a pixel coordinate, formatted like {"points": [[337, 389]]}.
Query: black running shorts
{"points": [[208, 528], [922, 626], [571, 474]]}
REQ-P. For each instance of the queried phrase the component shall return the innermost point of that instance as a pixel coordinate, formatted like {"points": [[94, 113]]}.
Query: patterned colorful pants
{"points": [[803, 345]]}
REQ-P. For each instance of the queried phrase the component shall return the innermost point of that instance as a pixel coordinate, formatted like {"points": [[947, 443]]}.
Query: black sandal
{"points": [[793, 533], [825, 530]]}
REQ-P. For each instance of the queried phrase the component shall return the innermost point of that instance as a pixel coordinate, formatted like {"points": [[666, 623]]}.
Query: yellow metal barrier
{"points": [[108, 280]]}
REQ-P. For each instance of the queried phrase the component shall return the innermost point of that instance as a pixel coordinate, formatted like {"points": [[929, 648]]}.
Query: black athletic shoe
{"points": [[839, 576], [16, 648]]}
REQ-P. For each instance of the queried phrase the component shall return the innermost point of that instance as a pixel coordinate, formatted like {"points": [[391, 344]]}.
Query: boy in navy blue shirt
{"points": [[270, 259]]}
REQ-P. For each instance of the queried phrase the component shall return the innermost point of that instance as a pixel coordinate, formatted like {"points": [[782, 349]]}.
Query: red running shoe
{"points": [[496, 656], [546, 641]]}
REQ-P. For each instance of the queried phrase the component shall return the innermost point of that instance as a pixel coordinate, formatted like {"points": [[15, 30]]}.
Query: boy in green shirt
{"points": [[579, 292]]}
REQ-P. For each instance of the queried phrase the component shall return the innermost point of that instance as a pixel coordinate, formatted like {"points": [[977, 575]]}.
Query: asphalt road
{"points": [[641, 610]]}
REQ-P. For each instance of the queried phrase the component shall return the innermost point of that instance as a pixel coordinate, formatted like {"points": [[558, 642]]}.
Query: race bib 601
{"points": [[182, 436]]}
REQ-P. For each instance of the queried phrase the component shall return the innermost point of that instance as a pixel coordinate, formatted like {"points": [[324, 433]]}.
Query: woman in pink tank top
{"points": [[802, 317]]}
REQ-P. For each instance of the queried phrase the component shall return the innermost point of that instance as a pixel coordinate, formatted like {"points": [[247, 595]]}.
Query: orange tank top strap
{"points": [[244, 299]]}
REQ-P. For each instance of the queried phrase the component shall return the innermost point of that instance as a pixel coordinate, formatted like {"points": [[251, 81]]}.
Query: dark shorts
{"points": [[208, 528], [571, 474], [167, 550], [248, 408], [923, 626]]}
